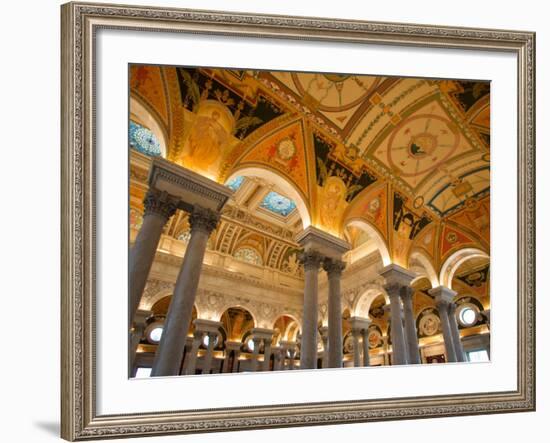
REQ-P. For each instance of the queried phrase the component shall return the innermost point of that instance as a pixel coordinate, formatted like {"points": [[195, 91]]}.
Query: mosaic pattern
{"points": [[235, 183], [143, 140], [278, 204], [249, 255]]}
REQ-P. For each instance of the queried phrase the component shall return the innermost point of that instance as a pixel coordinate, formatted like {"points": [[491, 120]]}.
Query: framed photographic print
{"points": [[282, 221]]}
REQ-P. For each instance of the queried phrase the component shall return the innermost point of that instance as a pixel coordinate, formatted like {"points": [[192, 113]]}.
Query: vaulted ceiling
{"points": [[408, 156]]}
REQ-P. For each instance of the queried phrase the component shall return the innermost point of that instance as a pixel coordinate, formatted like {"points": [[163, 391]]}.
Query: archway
{"points": [[375, 241], [140, 114], [286, 187], [455, 260]]}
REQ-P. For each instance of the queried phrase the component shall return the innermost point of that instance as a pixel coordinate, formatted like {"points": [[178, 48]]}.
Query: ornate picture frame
{"points": [[80, 23]]}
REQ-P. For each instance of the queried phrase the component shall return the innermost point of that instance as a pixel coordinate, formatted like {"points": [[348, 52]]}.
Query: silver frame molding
{"points": [[80, 21]]}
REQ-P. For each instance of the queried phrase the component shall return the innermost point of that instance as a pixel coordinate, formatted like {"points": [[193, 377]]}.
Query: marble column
{"points": [[169, 352], [267, 354], [308, 353], [292, 351], [413, 353], [358, 326], [136, 333], [159, 207], [207, 361], [366, 356], [334, 270], [255, 352], [230, 346], [237, 354], [276, 352], [318, 243], [355, 333], [443, 298], [324, 337], [455, 332], [191, 360], [397, 277]]}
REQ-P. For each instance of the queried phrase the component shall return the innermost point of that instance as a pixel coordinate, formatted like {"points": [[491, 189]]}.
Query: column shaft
{"points": [[334, 270], [235, 367], [399, 352], [443, 308], [207, 361], [255, 352], [366, 356], [159, 207], [457, 343], [191, 362], [410, 326], [267, 355], [308, 351], [356, 349], [180, 311]]}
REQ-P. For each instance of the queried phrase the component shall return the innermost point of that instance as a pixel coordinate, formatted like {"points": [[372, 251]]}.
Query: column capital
{"points": [[159, 203], [203, 219], [442, 295], [395, 277], [311, 259], [333, 267], [360, 323], [206, 326], [187, 186], [323, 331], [233, 345], [326, 244]]}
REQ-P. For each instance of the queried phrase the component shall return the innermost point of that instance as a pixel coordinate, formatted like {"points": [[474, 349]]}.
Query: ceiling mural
{"points": [[409, 156]]}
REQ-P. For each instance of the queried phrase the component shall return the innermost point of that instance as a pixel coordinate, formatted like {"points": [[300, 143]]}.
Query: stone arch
{"points": [[238, 306], [231, 304], [426, 264], [379, 243], [286, 186], [295, 321], [142, 112], [451, 265], [361, 305]]}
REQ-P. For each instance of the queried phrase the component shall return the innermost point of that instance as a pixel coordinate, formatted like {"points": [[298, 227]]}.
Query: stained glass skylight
{"points": [[143, 140], [235, 183], [278, 204]]}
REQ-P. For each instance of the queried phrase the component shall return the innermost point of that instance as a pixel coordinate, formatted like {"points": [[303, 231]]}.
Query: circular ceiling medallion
{"points": [[286, 149], [335, 92], [418, 202], [421, 143]]}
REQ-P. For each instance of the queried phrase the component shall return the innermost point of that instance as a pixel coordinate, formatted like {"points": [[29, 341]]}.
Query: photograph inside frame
{"points": [[286, 220]]}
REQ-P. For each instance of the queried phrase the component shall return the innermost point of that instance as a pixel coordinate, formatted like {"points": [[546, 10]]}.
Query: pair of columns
{"points": [[172, 187], [321, 248], [288, 350], [261, 336], [360, 330], [404, 337], [449, 325], [203, 328]]}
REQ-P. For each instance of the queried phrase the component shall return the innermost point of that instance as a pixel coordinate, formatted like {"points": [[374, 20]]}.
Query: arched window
{"points": [[143, 140], [248, 255]]}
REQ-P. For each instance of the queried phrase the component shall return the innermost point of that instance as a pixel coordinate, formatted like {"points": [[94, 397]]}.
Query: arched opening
{"points": [[237, 321], [456, 260], [367, 239], [423, 267], [280, 197], [142, 116], [286, 328], [371, 301]]}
